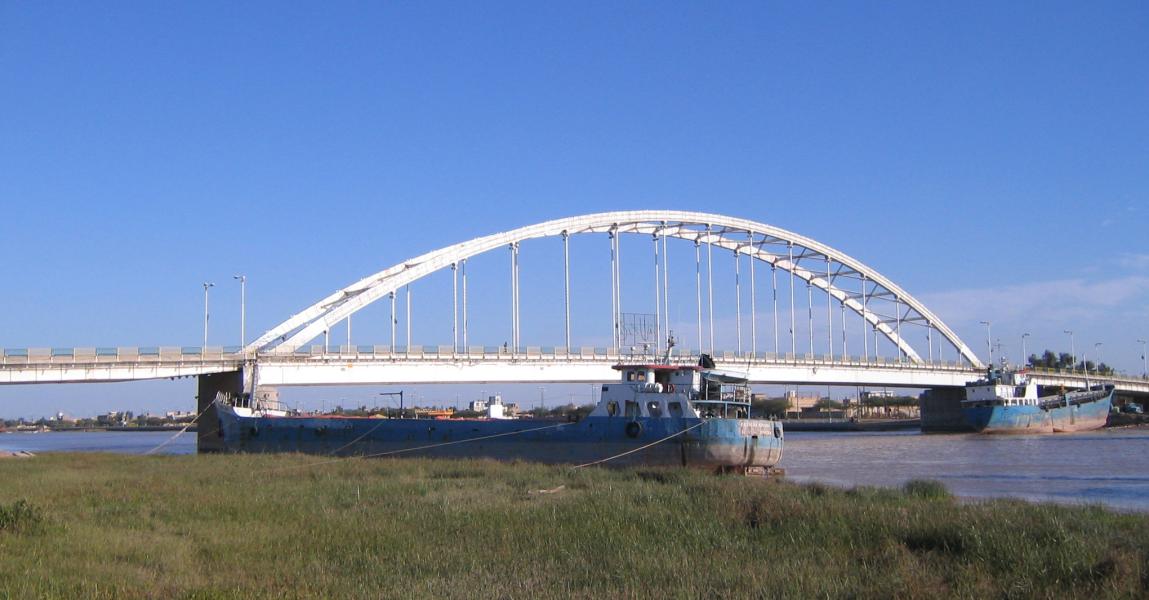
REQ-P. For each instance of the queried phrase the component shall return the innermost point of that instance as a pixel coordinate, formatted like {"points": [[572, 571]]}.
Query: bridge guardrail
{"points": [[217, 353], [419, 352], [195, 359], [195, 354], [1082, 373], [109, 355]]}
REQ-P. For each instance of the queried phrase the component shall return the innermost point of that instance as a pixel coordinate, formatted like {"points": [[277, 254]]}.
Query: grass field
{"points": [[111, 526]]}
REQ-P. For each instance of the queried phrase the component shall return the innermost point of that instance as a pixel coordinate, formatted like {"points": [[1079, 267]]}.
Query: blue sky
{"points": [[990, 158]]}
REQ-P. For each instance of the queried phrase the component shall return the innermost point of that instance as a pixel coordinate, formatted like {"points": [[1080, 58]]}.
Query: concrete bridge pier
{"points": [[941, 410], [230, 382]]}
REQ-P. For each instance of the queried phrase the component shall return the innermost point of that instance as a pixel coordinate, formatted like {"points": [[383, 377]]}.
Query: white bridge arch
{"points": [[778, 248]]}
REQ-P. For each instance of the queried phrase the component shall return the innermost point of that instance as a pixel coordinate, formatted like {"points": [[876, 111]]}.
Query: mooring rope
{"points": [[365, 434], [180, 432], [424, 447], [640, 448], [485, 437]]}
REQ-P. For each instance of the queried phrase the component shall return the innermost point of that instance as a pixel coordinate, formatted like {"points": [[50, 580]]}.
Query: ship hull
{"points": [[1085, 415], [710, 443], [1070, 413], [1008, 419]]}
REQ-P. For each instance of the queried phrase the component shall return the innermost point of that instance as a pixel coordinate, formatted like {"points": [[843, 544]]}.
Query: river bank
{"points": [[127, 428], [1103, 467], [851, 425], [303, 526], [1128, 420]]}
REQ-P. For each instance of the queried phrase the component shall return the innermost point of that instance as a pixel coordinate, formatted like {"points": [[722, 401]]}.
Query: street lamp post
{"points": [[242, 309], [1144, 361], [1072, 350], [206, 286], [1024, 362], [1097, 352], [988, 340]]}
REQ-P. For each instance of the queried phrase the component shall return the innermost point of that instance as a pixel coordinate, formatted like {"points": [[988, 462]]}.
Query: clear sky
{"points": [[991, 158]]}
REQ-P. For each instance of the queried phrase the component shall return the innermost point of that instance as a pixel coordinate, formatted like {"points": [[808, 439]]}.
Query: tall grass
{"points": [[285, 526], [19, 517]]}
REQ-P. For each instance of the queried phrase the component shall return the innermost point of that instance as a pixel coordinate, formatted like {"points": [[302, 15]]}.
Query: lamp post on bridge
{"points": [[242, 309], [206, 287], [1024, 361], [988, 340], [1097, 352], [1144, 361], [1072, 350]]}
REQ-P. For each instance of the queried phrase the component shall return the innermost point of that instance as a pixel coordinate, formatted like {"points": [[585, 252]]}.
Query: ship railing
{"points": [[709, 409]]}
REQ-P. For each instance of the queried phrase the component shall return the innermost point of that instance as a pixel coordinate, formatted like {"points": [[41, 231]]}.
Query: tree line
{"points": [[1063, 360]]}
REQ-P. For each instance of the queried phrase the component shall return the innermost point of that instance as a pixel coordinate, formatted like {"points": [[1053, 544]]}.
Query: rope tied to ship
{"points": [[416, 448], [180, 432], [640, 448], [354, 441], [484, 437]]}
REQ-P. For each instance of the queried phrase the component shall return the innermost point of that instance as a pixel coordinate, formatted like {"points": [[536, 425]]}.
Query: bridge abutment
{"points": [[230, 382], [941, 410]]}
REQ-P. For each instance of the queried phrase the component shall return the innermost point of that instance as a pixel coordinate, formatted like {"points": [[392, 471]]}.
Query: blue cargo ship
{"points": [[1009, 403], [657, 414]]}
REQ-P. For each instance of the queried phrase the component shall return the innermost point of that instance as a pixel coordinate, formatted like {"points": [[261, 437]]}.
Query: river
{"points": [[122, 442], [1106, 467]]}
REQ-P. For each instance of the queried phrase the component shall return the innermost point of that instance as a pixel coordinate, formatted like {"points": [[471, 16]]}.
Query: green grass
{"points": [[19, 517], [107, 526]]}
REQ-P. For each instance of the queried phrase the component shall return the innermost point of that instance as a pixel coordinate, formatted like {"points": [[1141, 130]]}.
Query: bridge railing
{"points": [[589, 354], [227, 354], [216, 358], [122, 354], [1083, 373], [1055, 375], [197, 354]]}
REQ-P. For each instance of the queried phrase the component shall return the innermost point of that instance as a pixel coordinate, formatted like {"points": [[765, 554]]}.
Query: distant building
{"points": [[800, 402], [494, 407], [877, 395], [114, 419], [176, 416]]}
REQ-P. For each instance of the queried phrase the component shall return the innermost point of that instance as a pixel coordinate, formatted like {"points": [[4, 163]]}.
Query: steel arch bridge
{"points": [[882, 306]]}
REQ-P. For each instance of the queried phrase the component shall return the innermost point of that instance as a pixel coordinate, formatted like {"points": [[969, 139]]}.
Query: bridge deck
{"points": [[342, 365]]}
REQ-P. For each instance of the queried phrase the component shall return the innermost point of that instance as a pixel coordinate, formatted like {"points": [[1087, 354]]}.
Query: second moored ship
{"points": [[1009, 403]]}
